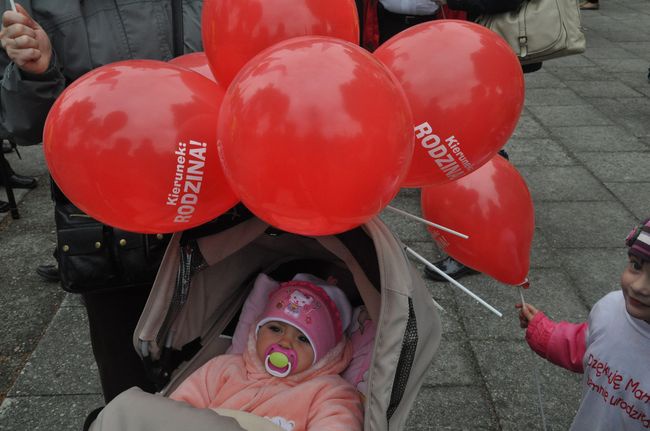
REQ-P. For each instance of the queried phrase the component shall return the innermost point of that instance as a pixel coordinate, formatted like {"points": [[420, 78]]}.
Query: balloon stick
{"points": [[452, 281], [438, 306], [540, 400], [13, 5], [427, 222]]}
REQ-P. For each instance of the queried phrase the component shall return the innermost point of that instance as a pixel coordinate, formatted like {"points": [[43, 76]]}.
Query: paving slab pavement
{"points": [[583, 146]]}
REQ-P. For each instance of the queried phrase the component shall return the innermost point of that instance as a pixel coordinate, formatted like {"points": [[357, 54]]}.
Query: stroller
{"points": [[195, 304]]}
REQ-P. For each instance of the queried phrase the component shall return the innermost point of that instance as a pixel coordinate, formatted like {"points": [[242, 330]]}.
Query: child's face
{"points": [[287, 336], [635, 283]]}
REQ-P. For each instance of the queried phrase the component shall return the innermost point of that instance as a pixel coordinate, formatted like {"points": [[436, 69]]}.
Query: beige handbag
{"points": [[540, 30]]}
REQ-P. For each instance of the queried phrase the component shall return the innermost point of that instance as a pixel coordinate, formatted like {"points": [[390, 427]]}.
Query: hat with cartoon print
{"points": [[639, 241], [318, 312]]}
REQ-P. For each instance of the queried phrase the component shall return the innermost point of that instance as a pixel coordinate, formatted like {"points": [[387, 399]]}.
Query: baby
{"points": [[289, 371]]}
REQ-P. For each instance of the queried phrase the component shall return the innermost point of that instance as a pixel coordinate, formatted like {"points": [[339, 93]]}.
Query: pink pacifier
{"points": [[280, 361]]}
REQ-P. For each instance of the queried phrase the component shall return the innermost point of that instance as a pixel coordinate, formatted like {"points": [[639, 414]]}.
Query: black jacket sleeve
{"points": [[25, 100], [479, 7]]}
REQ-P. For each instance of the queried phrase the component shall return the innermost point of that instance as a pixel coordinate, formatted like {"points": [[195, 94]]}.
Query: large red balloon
{"points": [[236, 30], [133, 144], [493, 206], [315, 135], [196, 61], [466, 91]]}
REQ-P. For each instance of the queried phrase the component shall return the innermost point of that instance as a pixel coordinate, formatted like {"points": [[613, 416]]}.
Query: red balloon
{"points": [[493, 206], [133, 144], [315, 135], [466, 91], [196, 61], [236, 30]]}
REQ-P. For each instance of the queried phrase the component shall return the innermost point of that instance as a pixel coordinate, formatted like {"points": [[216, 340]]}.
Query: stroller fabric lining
{"points": [[372, 267]]}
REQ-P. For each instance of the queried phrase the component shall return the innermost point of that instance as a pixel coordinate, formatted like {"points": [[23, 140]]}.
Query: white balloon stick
{"points": [[438, 306], [13, 5], [540, 398], [453, 282], [427, 222]]}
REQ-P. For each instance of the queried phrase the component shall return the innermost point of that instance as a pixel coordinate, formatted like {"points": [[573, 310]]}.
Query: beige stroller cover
{"points": [[203, 283]]}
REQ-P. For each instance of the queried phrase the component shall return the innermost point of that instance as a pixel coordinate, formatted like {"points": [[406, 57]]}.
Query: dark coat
{"points": [[479, 7], [85, 35]]}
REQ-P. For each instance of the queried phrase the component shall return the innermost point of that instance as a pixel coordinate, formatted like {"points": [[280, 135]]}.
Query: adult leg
{"points": [[112, 317]]}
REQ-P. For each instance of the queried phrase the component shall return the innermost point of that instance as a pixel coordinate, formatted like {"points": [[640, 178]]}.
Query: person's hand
{"points": [[25, 41], [526, 314]]}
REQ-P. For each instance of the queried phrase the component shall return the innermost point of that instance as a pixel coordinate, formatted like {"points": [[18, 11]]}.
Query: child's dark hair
{"points": [[638, 241]]}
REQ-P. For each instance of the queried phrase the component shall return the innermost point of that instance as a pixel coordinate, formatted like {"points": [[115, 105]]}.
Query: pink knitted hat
{"points": [[639, 241], [308, 308]]}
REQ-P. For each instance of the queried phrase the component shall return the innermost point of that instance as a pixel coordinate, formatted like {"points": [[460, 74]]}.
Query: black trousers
{"points": [[112, 317], [392, 23]]}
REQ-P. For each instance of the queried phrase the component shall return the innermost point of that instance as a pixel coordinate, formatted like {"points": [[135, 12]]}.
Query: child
{"points": [[612, 349], [289, 372]]}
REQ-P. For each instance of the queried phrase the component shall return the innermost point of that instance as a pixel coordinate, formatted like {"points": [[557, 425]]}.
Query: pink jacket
{"points": [[561, 343], [316, 399]]}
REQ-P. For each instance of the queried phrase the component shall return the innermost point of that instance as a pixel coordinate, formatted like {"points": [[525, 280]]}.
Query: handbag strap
{"points": [[523, 39]]}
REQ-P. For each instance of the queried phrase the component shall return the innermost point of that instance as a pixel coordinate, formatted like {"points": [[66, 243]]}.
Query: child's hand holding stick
{"points": [[526, 313]]}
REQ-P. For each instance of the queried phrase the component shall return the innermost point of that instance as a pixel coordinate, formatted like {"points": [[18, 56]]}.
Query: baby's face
{"points": [[635, 283], [287, 336]]}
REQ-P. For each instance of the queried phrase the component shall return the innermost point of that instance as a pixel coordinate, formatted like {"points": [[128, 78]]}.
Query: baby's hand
{"points": [[526, 314]]}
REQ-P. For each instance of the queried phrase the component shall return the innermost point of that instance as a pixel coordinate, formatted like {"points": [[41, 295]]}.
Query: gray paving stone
{"points": [[453, 365], [645, 89], [615, 32], [598, 89], [637, 80], [451, 408], [528, 127], [37, 216], [537, 152], [571, 61], [451, 322], [597, 138], [72, 300], [29, 303], [621, 13], [63, 362], [24, 321], [563, 183], [594, 40], [630, 113], [47, 413], [542, 256], [32, 161], [582, 224], [608, 52], [594, 271], [553, 96], [550, 290], [589, 73], [638, 49], [623, 166], [579, 115], [634, 196], [11, 364], [512, 385], [542, 79]]}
